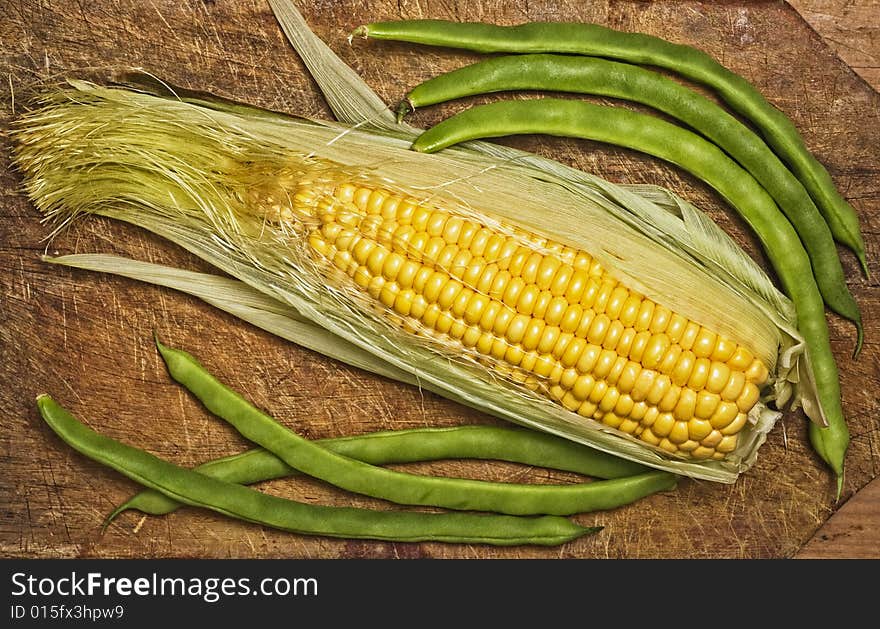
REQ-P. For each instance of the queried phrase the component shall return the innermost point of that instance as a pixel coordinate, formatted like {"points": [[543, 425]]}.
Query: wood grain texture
{"points": [[87, 339], [851, 533], [851, 28]]}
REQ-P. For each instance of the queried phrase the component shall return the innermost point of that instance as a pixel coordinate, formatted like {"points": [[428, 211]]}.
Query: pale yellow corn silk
{"points": [[488, 281]]}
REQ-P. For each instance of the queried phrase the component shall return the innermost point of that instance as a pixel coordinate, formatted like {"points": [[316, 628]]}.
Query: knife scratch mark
{"points": [[164, 21], [63, 317], [184, 421]]}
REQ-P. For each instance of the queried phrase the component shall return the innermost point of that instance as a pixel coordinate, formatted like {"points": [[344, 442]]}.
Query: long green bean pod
{"points": [[199, 490], [638, 48], [588, 75], [667, 141], [515, 445], [363, 478]]}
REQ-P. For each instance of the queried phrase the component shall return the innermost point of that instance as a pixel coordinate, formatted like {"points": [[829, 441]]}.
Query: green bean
{"points": [[378, 482], [240, 502], [694, 64], [515, 445], [608, 78], [572, 118], [830, 443]]}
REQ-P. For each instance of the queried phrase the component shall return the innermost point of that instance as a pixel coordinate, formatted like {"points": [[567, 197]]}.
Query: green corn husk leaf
{"points": [[179, 164]]}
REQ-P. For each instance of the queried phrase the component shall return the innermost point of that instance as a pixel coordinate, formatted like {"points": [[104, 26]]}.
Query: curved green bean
{"points": [[572, 118], [830, 443], [588, 75], [516, 445], [240, 502], [378, 482], [694, 64]]}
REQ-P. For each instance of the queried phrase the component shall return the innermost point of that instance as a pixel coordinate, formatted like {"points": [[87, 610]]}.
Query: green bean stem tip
{"points": [[403, 109], [860, 338], [863, 262]]}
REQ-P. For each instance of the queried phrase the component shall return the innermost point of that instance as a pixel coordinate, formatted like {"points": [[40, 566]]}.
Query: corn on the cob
{"points": [[451, 275], [541, 314]]}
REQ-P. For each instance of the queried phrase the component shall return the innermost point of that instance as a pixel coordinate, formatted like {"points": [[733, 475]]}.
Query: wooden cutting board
{"points": [[87, 338]]}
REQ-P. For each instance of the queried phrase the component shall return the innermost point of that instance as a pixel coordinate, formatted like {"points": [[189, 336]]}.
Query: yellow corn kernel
{"points": [[723, 415], [648, 436], [476, 306], [702, 452], [573, 352], [598, 328], [542, 301], [598, 392], [660, 320], [612, 335], [571, 402], [587, 409], [736, 425], [630, 310], [639, 344], [643, 413], [555, 310], [683, 368], [646, 313], [676, 327], [604, 364], [757, 372], [532, 337], [734, 386], [704, 343], [741, 359], [689, 335], [667, 445], [719, 374], [723, 351], [609, 400], [699, 374], [616, 370], [684, 407], [699, 429], [654, 350], [612, 420], [628, 376], [668, 402], [576, 286], [706, 404], [748, 397], [670, 358], [712, 439], [616, 301], [643, 384], [571, 319], [663, 424], [728, 444], [659, 389], [679, 432]]}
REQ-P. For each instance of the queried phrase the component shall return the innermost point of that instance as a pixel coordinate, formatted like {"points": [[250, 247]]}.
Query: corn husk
{"points": [[179, 164]]}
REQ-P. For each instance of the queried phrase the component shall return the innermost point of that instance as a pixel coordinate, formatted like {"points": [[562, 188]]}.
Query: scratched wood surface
{"points": [[87, 338]]}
